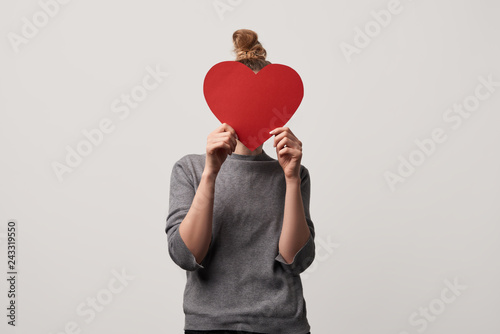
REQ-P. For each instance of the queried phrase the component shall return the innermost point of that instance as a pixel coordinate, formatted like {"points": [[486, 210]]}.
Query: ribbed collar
{"points": [[259, 157]]}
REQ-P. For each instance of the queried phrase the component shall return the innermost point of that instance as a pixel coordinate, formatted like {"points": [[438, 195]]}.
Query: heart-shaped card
{"points": [[253, 104]]}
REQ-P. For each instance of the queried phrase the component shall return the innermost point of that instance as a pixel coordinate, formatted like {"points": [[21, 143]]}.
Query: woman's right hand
{"points": [[220, 143]]}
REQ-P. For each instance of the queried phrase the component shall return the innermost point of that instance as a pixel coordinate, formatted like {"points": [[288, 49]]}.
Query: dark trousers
{"points": [[220, 332]]}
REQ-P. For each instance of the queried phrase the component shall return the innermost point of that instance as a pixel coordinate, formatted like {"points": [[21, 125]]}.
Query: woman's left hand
{"points": [[290, 156]]}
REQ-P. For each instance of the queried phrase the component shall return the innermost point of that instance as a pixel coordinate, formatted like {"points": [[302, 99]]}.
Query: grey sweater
{"points": [[243, 283]]}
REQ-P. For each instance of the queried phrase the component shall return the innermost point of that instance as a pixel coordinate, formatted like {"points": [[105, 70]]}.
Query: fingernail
{"points": [[271, 132]]}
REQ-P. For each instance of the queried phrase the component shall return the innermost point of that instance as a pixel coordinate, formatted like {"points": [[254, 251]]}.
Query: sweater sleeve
{"points": [[182, 193], [305, 256]]}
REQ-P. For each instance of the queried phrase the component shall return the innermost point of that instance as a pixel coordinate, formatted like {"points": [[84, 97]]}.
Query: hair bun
{"points": [[247, 45]]}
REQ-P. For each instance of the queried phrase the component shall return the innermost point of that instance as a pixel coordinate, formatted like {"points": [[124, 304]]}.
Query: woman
{"points": [[239, 224]]}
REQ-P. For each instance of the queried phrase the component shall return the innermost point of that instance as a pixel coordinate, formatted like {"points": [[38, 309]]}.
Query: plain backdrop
{"points": [[385, 256]]}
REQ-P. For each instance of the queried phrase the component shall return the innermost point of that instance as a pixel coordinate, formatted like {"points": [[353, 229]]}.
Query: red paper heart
{"points": [[253, 104]]}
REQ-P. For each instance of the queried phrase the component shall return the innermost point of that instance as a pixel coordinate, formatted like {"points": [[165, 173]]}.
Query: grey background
{"points": [[383, 256]]}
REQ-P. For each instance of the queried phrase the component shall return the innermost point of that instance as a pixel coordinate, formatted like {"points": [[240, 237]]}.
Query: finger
{"points": [[283, 135], [230, 140], [224, 136], [219, 145], [288, 142], [290, 151], [286, 150], [228, 128], [278, 130], [278, 138], [226, 147], [231, 143]]}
